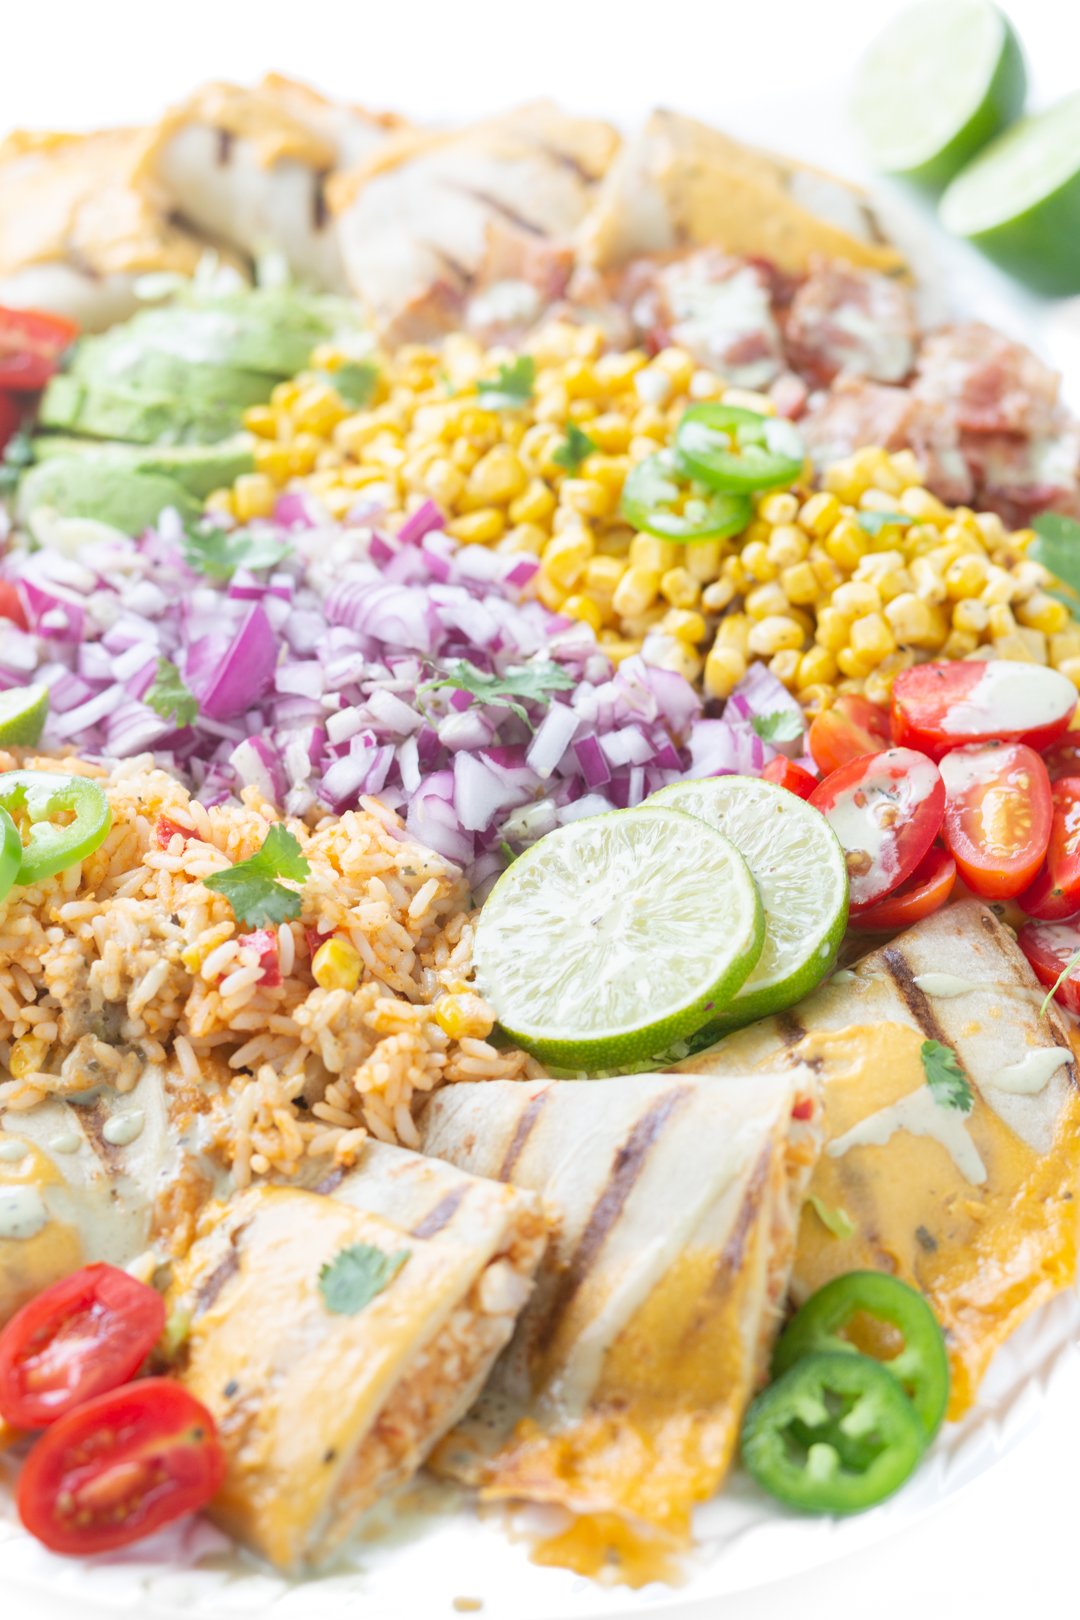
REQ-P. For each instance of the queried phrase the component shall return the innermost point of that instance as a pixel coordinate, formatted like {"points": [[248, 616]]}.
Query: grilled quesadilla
{"points": [[680, 184], [336, 1339], [621, 1395], [958, 1175]]}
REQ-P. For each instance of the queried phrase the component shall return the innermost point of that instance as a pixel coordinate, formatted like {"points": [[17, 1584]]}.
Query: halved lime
{"points": [[23, 711], [617, 935], [1019, 201], [801, 875], [938, 83]]}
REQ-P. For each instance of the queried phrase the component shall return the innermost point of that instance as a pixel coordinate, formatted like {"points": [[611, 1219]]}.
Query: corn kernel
{"points": [[929, 583], [785, 666], [1042, 612], [684, 626], [960, 644], [857, 597], [1070, 668], [477, 528], [680, 588], [833, 629], [872, 636], [610, 432], [757, 562], [779, 507], [764, 600], [635, 592], [703, 559], [585, 609], [262, 421], [1000, 588], [587, 496], [846, 544], [602, 575], [466, 1015], [565, 558], [498, 477], [1065, 645], [799, 584], [318, 409], [817, 667], [721, 593], [734, 631], [971, 614], [775, 633], [336, 965], [748, 399], [27, 1056], [787, 545], [919, 503], [820, 514], [656, 555], [724, 669], [670, 652], [916, 623], [1000, 621], [253, 496]]}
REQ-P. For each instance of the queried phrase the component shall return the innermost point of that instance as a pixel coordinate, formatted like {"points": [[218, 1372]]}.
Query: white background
{"points": [[773, 70]]}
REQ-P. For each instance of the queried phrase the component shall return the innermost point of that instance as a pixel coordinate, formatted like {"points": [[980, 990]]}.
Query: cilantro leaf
{"points": [[218, 553], [874, 522], [1057, 547], [512, 388], [945, 1077], [355, 1276], [355, 382], [533, 682], [780, 725], [169, 697], [1073, 961], [838, 1221], [574, 448], [251, 886]]}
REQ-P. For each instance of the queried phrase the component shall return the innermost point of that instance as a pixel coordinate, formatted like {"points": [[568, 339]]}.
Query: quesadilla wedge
{"points": [[336, 1339], [951, 1116], [621, 1394]]}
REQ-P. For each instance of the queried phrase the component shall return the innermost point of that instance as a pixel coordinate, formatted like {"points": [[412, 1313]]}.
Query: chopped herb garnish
{"points": [[507, 853], [169, 697], [353, 1278], [574, 448], [533, 683], [251, 887], [1074, 960], [780, 725], [355, 382], [512, 388], [1057, 547], [838, 1221], [945, 1077], [218, 553], [874, 522]]}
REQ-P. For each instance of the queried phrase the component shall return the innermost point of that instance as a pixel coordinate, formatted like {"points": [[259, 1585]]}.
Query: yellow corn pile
{"points": [[837, 587]]}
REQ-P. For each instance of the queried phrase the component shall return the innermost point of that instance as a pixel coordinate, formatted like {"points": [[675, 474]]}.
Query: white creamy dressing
{"points": [[1011, 697], [505, 303], [12, 1151], [712, 316], [66, 1142], [868, 827], [1032, 1073], [921, 1114], [22, 1213], [944, 985], [122, 1129]]}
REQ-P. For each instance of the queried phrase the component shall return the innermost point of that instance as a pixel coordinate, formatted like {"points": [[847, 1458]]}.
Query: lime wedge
{"points": [[938, 83], [617, 935], [800, 871], [1019, 201], [23, 711]]}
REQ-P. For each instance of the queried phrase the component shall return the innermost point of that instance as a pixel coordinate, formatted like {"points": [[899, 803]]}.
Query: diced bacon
{"points": [[719, 309], [986, 382], [1019, 477], [265, 944], [789, 394], [855, 413], [853, 322], [521, 277]]}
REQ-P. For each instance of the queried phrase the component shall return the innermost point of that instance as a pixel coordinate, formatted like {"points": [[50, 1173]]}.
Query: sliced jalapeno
{"points": [[730, 448], [58, 819], [835, 1434], [10, 854], [659, 499], [865, 1311]]}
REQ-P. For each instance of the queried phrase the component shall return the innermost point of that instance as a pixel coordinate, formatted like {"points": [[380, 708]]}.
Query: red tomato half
{"points": [[852, 728], [886, 810], [11, 604], [997, 816], [925, 891], [1055, 893], [120, 1467], [31, 344], [86, 1334], [786, 774], [936, 707], [1063, 759], [1048, 947]]}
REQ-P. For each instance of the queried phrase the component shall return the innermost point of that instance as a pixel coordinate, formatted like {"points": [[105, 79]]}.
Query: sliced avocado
{"points": [[84, 486], [120, 360], [69, 405], [198, 468], [270, 332]]}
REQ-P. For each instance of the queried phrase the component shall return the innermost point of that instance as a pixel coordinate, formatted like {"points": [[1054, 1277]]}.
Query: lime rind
{"points": [[616, 936], [801, 874], [23, 712]]}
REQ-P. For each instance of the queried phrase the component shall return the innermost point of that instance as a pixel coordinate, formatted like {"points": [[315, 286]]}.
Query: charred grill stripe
{"points": [[442, 1214], [320, 210], [224, 146], [735, 1247], [458, 272], [789, 1029], [626, 1167], [900, 972], [522, 1131], [528, 226], [211, 1287]]}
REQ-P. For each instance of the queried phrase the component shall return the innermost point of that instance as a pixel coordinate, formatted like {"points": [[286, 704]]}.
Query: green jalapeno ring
{"points": [[59, 820], [921, 1367], [11, 851], [733, 449], [836, 1434], [660, 500]]}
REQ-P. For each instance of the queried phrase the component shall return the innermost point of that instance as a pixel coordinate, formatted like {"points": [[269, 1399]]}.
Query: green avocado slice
{"points": [[80, 486]]}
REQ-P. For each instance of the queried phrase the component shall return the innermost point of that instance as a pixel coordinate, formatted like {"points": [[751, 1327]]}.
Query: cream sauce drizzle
{"points": [[943, 985], [920, 1114], [11, 1152], [66, 1142], [22, 1212], [122, 1129], [1033, 1071]]}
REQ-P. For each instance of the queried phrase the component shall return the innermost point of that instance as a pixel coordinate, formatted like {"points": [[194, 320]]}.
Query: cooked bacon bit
{"points": [[803, 1109], [858, 322], [167, 830], [264, 942], [986, 382]]}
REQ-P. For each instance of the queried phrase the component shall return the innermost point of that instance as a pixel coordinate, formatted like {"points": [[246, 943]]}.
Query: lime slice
{"points": [[617, 935], [1020, 200], [799, 868], [938, 83], [23, 711]]}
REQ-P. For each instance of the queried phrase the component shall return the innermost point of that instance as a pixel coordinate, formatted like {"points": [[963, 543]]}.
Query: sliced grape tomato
{"points": [[997, 816], [787, 774], [936, 707], [1050, 947], [886, 810], [850, 728], [924, 892]]}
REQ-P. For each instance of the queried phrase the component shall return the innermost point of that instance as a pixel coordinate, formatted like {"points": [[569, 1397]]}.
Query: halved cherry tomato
{"points": [[86, 1334], [10, 417], [1055, 893], [997, 816], [31, 344], [1063, 758], [851, 729], [886, 810], [119, 1467], [937, 707], [925, 891], [786, 774], [264, 942], [1048, 947], [11, 606]]}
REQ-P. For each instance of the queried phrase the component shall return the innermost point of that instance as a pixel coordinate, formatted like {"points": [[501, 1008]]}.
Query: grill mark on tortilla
{"points": [[320, 210], [734, 1250], [565, 160], [789, 1029], [211, 1286], [441, 1214], [330, 1182], [626, 1167], [522, 1131], [224, 146], [899, 970], [457, 271], [497, 206]]}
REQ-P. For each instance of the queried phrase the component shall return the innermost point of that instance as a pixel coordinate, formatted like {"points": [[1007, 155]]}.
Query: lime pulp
{"points": [[23, 711]]}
